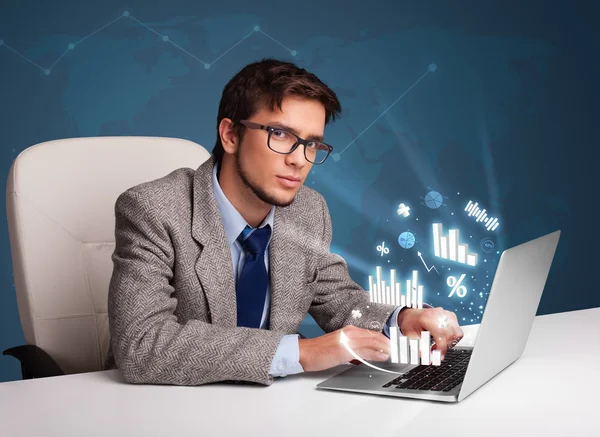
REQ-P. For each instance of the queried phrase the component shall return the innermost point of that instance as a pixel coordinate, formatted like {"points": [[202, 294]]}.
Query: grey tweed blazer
{"points": [[172, 299]]}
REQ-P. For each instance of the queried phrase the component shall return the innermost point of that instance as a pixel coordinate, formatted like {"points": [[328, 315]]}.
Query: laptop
{"points": [[503, 332]]}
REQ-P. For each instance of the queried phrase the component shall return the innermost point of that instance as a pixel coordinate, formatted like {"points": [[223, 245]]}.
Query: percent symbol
{"points": [[460, 290], [381, 248]]}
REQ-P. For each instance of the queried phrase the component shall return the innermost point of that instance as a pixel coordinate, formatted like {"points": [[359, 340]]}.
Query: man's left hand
{"points": [[441, 324]]}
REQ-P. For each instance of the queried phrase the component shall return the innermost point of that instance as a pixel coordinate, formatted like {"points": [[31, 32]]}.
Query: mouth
{"points": [[289, 181]]}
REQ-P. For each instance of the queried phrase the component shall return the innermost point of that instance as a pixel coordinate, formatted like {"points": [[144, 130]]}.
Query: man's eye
{"points": [[315, 145]]}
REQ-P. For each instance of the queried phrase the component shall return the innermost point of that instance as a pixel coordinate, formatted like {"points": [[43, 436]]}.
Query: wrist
{"points": [[302, 352], [402, 315]]}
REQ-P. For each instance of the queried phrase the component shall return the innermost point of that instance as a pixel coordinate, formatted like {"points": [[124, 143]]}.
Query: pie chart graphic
{"points": [[406, 240], [433, 199]]}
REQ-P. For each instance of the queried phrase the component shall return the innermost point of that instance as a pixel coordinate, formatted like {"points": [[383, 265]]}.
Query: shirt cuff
{"points": [[392, 322], [287, 357]]}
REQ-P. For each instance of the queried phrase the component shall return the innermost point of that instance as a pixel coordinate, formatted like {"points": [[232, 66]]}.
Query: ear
{"points": [[228, 137]]}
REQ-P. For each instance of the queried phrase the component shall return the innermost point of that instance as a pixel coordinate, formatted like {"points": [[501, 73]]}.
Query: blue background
{"points": [[493, 102]]}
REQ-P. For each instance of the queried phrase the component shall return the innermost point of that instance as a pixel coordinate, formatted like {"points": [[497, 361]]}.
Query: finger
{"points": [[457, 332], [366, 333], [453, 341], [381, 344], [372, 355], [371, 343], [441, 344], [451, 336]]}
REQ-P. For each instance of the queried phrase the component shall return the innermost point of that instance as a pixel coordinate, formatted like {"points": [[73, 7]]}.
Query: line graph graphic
{"points": [[428, 268], [165, 38], [432, 68]]}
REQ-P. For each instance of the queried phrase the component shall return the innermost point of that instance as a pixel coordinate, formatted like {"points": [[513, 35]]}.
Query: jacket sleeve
{"points": [[149, 343], [337, 295]]}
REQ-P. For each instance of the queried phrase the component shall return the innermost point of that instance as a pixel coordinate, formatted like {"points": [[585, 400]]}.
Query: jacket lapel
{"points": [[286, 290], [213, 266]]}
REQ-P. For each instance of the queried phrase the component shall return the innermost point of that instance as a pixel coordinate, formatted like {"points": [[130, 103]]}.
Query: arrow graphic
{"points": [[428, 269], [344, 341]]}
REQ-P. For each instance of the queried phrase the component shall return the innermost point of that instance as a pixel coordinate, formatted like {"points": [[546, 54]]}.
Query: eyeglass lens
{"points": [[282, 141]]}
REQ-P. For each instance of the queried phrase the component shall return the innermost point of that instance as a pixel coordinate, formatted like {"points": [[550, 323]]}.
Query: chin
{"points": [[281, 198], [284, 200]]}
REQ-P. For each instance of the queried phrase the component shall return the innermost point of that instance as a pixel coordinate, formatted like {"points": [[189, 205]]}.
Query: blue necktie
{"points": [[251, 288]]}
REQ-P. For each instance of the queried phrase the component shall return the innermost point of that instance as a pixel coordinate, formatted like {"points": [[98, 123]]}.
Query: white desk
{"points": [[536, 396]]}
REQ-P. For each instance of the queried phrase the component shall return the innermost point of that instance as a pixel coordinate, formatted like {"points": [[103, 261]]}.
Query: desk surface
{"points": [[537, 395]]}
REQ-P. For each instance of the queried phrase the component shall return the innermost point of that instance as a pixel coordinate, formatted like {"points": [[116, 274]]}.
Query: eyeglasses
{"points": [[285, 142]]}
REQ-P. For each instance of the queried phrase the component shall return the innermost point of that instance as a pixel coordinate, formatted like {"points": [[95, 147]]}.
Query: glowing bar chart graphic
{"points": [[382, 292], [491, 223], [414, 350], [450, 248]]}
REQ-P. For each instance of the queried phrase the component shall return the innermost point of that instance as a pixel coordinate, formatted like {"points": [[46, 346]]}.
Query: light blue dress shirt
{"points": [[287, 356]]}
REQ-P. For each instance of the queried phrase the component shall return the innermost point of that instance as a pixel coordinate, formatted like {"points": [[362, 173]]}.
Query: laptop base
{"points": [[364, 379]]}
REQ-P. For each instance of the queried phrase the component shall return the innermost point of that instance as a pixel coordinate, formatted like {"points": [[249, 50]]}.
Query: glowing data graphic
{"points": [[381, 248], [433, 199], [449, 248], [403, 210], [491, 223], [430, 69], [406, 240], [425, 264], [391, 293], [414, 350], [455, 284], [164, 38]]}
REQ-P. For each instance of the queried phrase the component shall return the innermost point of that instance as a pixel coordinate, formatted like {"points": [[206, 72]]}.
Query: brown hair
{"points": [[268, 82]]}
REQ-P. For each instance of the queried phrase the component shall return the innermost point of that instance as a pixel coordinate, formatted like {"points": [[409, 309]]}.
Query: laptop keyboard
{"points": [[436, 378]]}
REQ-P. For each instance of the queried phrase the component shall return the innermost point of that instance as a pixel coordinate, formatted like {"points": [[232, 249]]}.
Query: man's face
{"points": [[273, 177]]}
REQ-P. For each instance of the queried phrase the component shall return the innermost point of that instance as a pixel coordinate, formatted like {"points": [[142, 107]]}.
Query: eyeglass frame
{"points": [[270, 129]]}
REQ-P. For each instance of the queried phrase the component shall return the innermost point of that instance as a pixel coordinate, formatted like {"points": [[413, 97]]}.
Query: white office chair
{"points": [[60, 199]]}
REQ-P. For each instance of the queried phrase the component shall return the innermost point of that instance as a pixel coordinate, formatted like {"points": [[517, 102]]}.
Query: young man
{"points": [[215, 269]]}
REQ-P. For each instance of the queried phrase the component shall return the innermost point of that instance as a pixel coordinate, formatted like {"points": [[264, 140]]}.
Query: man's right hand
{"points": [[326, 351]]}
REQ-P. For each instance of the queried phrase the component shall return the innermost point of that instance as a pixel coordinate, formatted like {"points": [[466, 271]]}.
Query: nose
{"points": [[296, 158]]}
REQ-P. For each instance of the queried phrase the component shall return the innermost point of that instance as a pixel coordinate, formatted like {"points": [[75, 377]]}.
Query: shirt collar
{"points": [[233, 222]]}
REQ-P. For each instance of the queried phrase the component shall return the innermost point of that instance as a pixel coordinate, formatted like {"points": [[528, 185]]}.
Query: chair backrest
{"points": [[60, 199]]}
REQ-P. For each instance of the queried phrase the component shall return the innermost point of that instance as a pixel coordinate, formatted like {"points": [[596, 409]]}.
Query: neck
{"points": [[250, 207]]}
